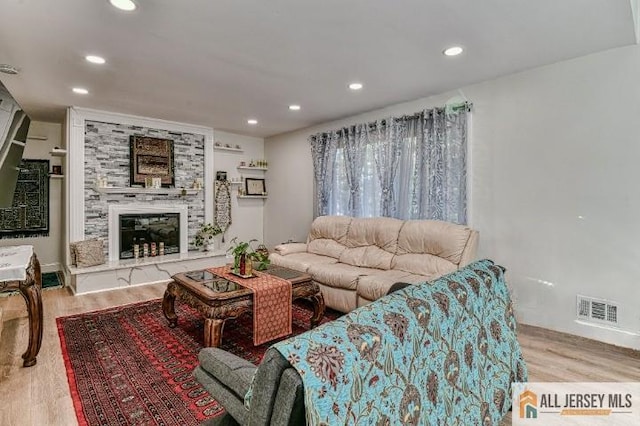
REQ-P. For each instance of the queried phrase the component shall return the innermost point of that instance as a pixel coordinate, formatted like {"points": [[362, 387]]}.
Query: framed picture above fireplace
{"points": [[151, 158]]}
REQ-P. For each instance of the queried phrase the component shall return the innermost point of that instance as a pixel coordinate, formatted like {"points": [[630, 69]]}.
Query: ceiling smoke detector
{"points": [[8, 69]]}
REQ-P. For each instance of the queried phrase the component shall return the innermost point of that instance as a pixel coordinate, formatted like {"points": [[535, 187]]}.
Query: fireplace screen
{"points": [[149, 234]]}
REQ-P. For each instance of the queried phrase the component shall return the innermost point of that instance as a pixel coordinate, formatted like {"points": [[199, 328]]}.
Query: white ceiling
{"points": [[219, 62]]}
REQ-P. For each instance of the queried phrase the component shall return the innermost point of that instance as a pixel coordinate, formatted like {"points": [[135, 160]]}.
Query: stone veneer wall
{"points": [[107, 152]]}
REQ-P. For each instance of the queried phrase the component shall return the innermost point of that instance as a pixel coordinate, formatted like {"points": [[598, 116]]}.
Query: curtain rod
{"points": [[467, 105], [453, 107]]}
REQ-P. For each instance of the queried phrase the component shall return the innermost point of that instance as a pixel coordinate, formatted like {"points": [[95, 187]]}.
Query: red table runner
{"points": [[271, 303]]}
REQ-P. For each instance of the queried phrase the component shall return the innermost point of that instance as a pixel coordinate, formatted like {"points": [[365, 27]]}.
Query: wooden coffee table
{"points": [[219, 300]]}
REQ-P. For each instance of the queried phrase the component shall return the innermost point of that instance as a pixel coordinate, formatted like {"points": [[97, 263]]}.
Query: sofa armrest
{"points": [[289, 400], [230, 370], [290, 248]]}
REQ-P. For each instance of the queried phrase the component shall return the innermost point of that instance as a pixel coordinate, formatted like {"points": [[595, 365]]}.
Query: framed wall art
{"points": [[255, 186], [151, 158]]}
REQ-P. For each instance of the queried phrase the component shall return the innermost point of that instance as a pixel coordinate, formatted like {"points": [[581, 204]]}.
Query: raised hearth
{"points": [[131, 272]]}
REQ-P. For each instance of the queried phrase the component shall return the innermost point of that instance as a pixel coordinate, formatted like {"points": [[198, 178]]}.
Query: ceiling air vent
{"points": [[597, 310], [9, 69]]}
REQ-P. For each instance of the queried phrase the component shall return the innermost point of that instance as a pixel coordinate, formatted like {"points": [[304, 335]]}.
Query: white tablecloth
{"points": [[14, 261]]}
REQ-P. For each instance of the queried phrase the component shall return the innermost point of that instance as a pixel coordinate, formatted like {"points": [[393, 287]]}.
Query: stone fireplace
{"points": [[98, 147], [147, 224]]}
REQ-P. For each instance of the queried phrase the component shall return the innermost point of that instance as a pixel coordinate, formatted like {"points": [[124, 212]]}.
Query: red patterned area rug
{"points": [[125, 366]]}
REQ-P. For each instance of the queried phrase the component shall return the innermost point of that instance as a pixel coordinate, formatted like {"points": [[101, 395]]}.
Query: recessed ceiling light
{"points": [[453, 51], [127, 5], [294, 107], [95, 59], [355, 86], [80, 91], [252, 121]]}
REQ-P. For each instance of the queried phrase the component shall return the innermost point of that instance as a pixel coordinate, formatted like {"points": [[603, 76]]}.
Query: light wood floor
{"points": [[39, 395]]}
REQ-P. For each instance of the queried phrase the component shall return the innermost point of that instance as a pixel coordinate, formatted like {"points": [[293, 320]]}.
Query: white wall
{"points": [[246, 214], [49, 249], [555, 154]]}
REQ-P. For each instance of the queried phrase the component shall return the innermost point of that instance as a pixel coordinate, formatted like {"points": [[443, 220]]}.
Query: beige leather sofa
{"points": [[356, 260]]}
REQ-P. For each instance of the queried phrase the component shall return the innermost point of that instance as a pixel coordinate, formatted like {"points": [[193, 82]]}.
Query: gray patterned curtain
{"points": [[411, 167], [387, 144], [323, 153], [353, 142], [440, 190]]}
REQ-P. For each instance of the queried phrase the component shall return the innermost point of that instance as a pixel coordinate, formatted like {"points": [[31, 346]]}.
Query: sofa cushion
{"points": [[300, 261], [443, 239], [234, 372], [232, 403], [423, 264], [326, 247], [330, 227], [368, 256], [339, 275], [371, 242], [381, 232], [375, 286]]}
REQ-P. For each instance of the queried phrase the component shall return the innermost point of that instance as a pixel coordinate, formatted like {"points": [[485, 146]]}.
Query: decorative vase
{"points": [[245, 267], [242, 264]]}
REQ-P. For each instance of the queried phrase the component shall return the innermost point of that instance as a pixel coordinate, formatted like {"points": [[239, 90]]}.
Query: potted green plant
{"points": [[205, 235], [241, 251], [244, 255]]}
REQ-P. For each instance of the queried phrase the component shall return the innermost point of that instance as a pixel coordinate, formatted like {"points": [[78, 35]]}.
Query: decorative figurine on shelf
{"points": [[205, 236]]}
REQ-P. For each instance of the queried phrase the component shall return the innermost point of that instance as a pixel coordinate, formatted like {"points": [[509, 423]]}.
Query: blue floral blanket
{"points": [[438, 353]]}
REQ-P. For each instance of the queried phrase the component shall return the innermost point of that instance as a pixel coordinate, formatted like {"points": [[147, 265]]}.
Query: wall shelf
{"points": [[56, 176], [251, 168], [148, 191], [58, 152], [224, 148], [253, 196]]}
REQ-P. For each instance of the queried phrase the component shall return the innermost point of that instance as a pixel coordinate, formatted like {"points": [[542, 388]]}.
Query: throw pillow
{"points": [[73, 251], [89, 253]]}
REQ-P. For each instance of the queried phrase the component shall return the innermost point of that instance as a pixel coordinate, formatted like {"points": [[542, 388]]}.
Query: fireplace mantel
{"points": [[134, 190]]}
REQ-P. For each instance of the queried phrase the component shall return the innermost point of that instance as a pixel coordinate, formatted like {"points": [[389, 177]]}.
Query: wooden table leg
{"points": [[318, 309], [30, 290], [168, 305], [213, 332]]}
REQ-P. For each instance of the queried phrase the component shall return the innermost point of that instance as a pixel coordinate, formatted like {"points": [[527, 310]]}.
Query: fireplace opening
{"points": [[159, 231]]}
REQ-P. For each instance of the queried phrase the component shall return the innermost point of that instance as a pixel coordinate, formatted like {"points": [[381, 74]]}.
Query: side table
{"points": [[20, 270]]}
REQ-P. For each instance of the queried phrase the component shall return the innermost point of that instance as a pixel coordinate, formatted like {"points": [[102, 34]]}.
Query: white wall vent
{"points": [[597, 310]]}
